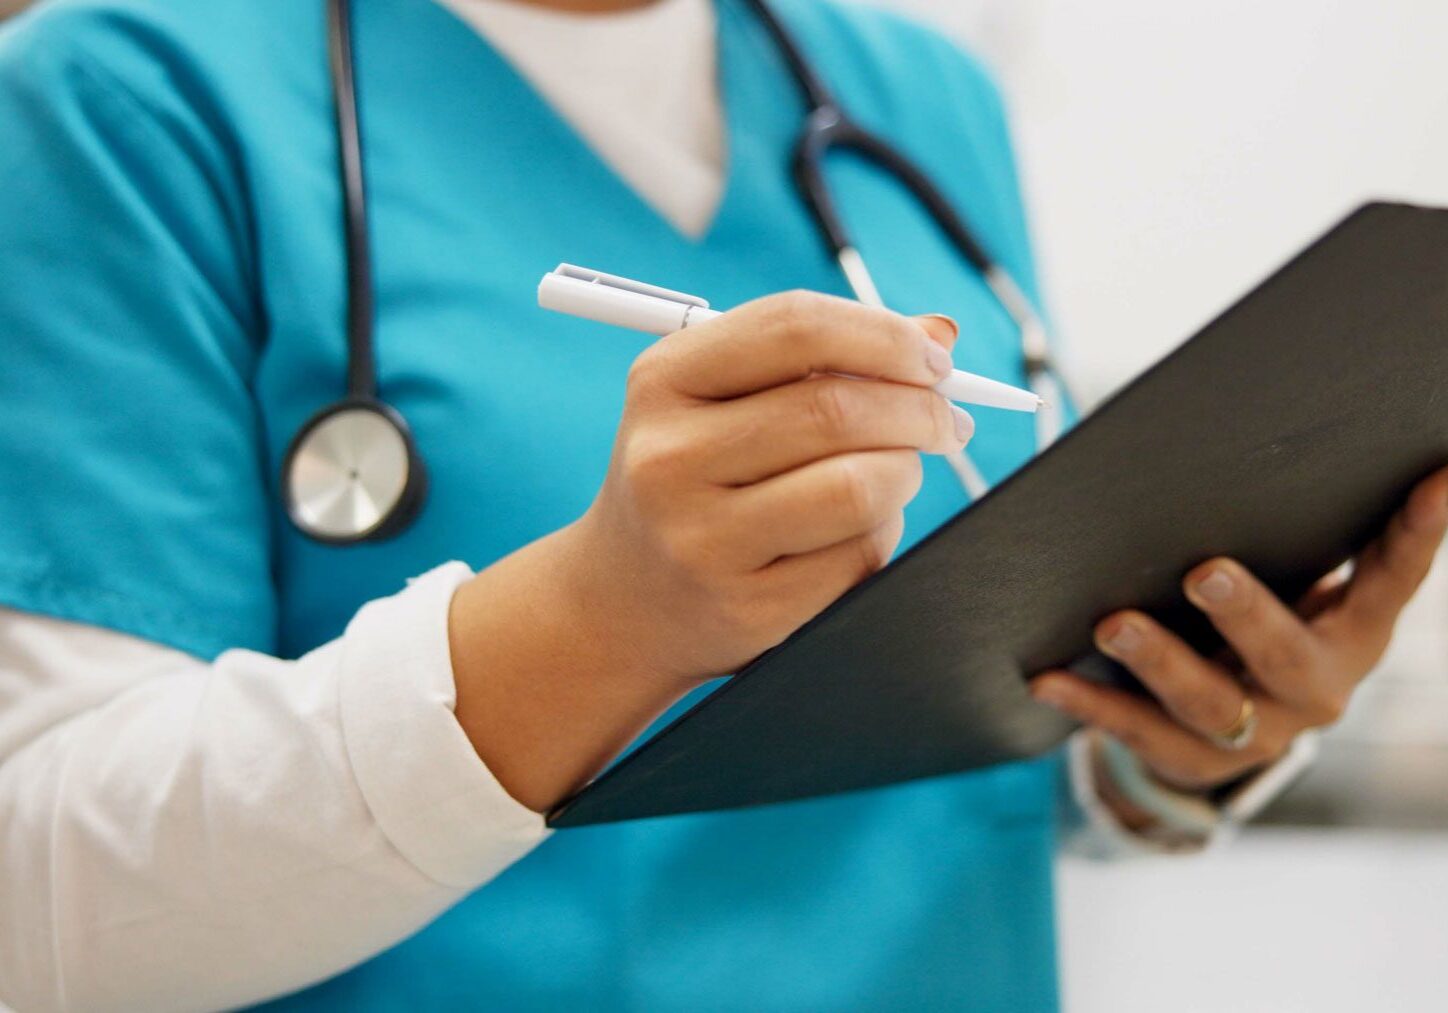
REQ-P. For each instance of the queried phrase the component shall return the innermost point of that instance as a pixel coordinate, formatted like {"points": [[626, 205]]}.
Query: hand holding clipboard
{"points": [[1337, 371]]}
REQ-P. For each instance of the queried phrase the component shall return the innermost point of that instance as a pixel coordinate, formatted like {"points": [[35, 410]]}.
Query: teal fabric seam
{"points": [[131, 113], [33, 590]]}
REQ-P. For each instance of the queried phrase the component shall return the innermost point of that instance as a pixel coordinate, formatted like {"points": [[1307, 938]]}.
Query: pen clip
{"points": [[593, 277]]}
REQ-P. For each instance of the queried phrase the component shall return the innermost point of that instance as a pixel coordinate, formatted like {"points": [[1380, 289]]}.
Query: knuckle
{"points": [[853, 493], [906, 337], [1288, 657], [691, 549], [656, 458], [1337, 705], [900, 476], [914, 474], [744, 609], [679, 545], [939, 418], [1202, 708], [831, 410], [1330, 708], [792, 311], [1149, 654], [875, 549], [644, 372]]}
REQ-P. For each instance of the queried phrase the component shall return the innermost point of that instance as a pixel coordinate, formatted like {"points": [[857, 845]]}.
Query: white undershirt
{"points": [[175, 834], [640, 86]]}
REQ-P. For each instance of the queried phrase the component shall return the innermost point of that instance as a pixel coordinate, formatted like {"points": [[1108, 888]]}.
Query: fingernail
{"points": [[964, 424], [1216, 587], [938, 360], [942, 328], [1123, 640]]}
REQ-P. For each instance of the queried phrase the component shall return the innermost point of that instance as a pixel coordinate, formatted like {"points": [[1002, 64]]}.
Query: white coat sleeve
{"points": [[176, 835]]}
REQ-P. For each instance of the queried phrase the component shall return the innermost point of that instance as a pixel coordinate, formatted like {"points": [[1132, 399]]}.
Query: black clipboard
{"points": [[1284, 434]]}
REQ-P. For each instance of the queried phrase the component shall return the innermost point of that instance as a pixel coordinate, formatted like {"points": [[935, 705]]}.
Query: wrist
{"points": [[1170, 818], [597, 587], [550, 682]]}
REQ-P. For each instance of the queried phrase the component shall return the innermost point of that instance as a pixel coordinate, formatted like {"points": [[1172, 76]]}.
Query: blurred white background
{"points": [[1173, 154]]}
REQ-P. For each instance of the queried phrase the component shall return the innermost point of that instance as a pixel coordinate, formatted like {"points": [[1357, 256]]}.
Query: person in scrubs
{"points": [[237, 764]]}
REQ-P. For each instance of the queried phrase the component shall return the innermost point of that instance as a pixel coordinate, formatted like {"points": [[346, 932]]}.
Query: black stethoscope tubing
{"points": [[365, 419], [361, 302], [828, 127]]}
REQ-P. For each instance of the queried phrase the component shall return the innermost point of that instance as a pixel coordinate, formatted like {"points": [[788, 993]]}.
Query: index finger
{"points": [[784, 338]]}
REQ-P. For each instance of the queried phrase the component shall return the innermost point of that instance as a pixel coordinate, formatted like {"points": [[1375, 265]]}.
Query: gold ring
{"points": [[1239, 736]]}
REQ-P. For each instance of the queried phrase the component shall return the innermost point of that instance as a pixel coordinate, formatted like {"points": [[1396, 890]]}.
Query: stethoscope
{"points": [[353, 472]]}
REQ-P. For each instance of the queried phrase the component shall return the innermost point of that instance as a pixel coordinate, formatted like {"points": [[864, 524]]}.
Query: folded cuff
{"points": [[431, 795], [1187, 822]]}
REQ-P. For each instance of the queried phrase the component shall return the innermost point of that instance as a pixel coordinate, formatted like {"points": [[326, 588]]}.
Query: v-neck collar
{"points": [[474, 47]]}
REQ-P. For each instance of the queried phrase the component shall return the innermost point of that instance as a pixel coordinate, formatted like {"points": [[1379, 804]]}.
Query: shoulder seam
{"points": [[140, 119]]}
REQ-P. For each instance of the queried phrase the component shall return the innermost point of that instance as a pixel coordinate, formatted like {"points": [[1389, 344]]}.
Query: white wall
{"points": [[1173, 154], [1288, 922]]}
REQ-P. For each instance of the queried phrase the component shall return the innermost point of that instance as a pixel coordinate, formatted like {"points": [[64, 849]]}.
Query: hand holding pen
{"points": [[610, 299], [750, 485]]}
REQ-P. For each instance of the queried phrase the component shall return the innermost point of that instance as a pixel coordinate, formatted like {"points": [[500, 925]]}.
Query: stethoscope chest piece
{"points": [[353, 474]]}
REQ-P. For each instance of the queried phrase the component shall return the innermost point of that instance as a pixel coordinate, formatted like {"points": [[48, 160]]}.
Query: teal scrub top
{"points": [[171, 310]]}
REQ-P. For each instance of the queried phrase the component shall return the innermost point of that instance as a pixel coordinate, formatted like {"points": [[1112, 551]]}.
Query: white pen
{"points": [[609, 299]]}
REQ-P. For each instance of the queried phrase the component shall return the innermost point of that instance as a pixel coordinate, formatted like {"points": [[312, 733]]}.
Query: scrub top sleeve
{"points": [[132, 489]]}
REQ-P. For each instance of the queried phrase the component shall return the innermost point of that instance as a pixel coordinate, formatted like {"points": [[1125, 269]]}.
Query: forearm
{"points": [[553, 680], [296, 816]]}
